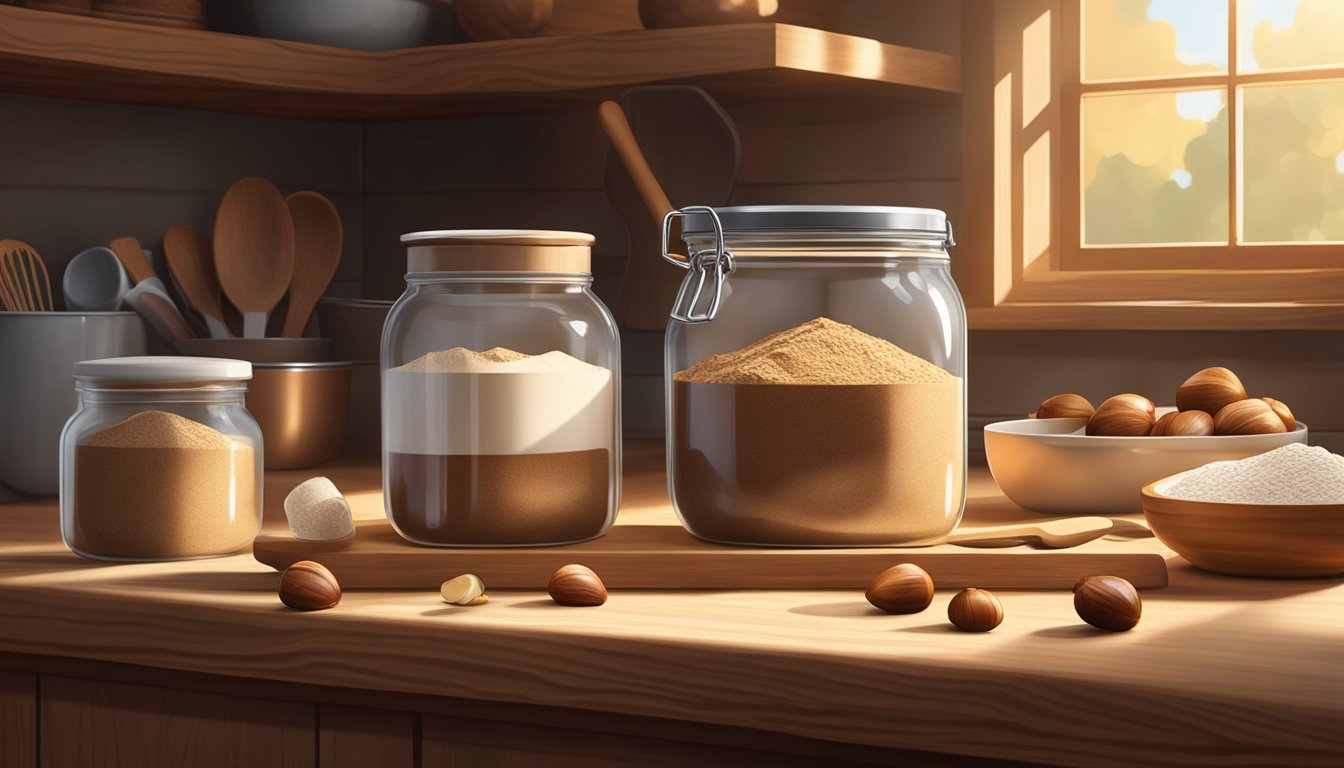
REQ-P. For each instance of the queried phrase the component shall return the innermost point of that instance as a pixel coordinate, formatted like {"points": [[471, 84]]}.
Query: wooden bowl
{"points": [[1266, 540]]}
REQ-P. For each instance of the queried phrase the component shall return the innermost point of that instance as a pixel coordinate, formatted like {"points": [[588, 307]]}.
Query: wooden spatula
{"points": [[192, 261], [254, 250], [150, 297], [317, 252]]}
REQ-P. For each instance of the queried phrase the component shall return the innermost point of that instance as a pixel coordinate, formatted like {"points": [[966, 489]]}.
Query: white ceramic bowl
{"points": [[1051, 466]]}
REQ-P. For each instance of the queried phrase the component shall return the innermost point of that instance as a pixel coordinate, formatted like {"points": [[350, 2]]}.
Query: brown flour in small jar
{"points": [[819, 435], [159, 486]]}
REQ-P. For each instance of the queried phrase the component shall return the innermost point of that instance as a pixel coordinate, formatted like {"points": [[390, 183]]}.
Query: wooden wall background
{"points": [[77, 175]]}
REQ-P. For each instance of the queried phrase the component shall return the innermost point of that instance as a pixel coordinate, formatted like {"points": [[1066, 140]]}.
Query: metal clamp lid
{"points": [[712, 265]]}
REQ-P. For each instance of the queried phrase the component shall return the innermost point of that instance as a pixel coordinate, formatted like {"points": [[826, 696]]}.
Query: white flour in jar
{"points": [[1293, 474], [499, 448]]}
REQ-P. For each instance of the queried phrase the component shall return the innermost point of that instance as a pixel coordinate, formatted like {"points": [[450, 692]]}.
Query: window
{"points": [[1214, 124], [1152, 164]]}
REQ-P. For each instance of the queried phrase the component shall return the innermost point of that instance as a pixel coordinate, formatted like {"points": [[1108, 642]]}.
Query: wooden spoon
{"points": [[317, 254], [254, 250], [622, 137], [192, 262], [690, 147], [1056, 534]]}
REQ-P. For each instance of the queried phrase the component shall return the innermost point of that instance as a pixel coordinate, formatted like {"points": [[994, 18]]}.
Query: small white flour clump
{"points": [[1293, 474]]}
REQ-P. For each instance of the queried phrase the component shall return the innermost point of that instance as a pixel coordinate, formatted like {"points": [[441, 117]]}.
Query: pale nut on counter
{"points": [[975, 610], [1210, 390], [1248, 417], [576, 585], [309, 586], [317, 511], [1107, 602], [904, 588], [1126, 415], [467, 589], [1065, 406]]}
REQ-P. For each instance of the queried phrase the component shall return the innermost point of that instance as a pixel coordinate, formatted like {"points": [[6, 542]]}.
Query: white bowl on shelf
{"points": [[1050, 466]]}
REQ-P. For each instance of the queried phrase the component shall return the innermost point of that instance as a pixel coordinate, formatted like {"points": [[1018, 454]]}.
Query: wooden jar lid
{"points": [[498, 250]]}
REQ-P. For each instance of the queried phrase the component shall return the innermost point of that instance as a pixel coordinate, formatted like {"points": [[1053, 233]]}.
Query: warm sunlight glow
{"points": [[1290, 34], [1292, 187], [1155, 168], [1126, 39], [1003, 187], [1036, 83], [1155, 159], [1037, 220]]}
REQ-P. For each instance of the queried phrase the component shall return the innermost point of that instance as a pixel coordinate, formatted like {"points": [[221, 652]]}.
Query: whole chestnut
{"points": [[1107, 602], [1248, 417], [1126, 415], [975, 610], [1183, 424], [904, 588], [1065, 407], [1210, 390], [1284, 413]]}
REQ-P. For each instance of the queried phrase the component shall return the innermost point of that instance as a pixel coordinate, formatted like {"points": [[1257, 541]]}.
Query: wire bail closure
{"points": [[708, 270]]}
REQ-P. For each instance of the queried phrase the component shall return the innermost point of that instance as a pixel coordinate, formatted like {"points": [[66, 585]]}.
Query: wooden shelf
{"points": [[75, 57]]}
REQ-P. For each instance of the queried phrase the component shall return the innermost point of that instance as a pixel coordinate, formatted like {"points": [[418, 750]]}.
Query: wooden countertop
{"points": [[1220, 671]]}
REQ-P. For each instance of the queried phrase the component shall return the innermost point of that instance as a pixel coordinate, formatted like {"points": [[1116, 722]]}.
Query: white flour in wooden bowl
{"points": [[1293, 474]]}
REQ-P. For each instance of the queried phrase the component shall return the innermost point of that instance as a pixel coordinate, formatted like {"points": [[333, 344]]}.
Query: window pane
{"points": [[1125, 39], [1293, 162], [1155, 168], [1290, 34]]}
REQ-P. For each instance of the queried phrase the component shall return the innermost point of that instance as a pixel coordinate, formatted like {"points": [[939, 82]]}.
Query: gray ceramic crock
{"points": [[38, 352]]}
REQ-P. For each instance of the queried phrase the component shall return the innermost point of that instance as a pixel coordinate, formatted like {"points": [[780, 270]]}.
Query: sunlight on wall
{"points": [[1036, 209], [1003, 187], [1036, 81], [819, 51]]}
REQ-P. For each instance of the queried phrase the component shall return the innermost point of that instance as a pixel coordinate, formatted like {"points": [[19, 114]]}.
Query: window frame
{"points": [[1251, 287], [1235, 254]]}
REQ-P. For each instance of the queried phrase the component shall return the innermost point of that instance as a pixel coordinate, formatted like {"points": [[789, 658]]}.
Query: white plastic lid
{"points": [[541, 237], [151, 369]]}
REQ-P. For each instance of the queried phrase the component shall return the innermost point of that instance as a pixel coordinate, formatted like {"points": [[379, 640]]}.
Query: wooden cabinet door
{"points": [[18, 720], [88, 723]]}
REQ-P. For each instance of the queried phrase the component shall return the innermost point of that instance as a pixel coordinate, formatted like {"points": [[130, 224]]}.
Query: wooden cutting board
{"points": [[648, 549], [663, 556]]}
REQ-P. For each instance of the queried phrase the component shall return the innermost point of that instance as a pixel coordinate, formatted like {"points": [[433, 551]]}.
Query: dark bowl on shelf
{"points": [[367, 25]]}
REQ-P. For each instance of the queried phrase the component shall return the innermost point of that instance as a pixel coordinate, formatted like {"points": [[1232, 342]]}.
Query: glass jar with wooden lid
{"points": [[501, 392]]}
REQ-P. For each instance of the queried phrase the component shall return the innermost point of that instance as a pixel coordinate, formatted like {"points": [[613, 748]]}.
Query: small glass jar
{"points": [[850, 429], [161, 460], [501, 392]]}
